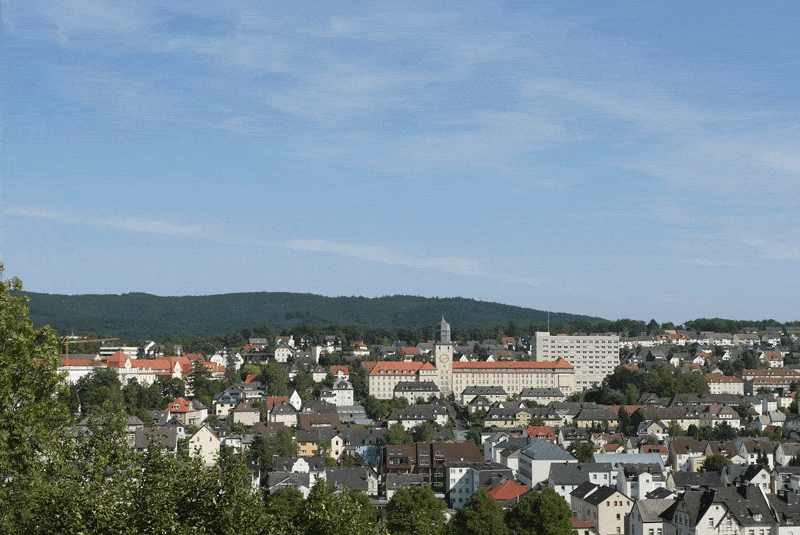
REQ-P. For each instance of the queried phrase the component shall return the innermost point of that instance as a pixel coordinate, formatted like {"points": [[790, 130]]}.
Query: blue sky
{"points": [[617, 159]]}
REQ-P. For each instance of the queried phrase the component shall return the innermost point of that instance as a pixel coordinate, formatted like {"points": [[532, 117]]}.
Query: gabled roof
{"points": [[594, 494], [543, 450], [507, 490]]}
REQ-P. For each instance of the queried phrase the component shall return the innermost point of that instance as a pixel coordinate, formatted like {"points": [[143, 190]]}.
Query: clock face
{"points": [[444, 358]]}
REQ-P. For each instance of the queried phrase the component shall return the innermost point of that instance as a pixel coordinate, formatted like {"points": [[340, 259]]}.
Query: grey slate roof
{"points": [[417, 387], [593, 494], [575, 473], [543, 450], [350, 477], [685, 480], [651, 509], [617, 459], [488, 390]]}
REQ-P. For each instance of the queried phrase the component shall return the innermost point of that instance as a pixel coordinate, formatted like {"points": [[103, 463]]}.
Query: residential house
{"points": [[603, 505], [463, 479], [786, 479], [283, 413], [566, 477], [724, 384], [507, 493], [786, 451], [428, 458], [686, 454], [245, 414], [645, 517], [756, 452], [414, 415], [542, 396], [720, 511], [535, 460], [682, 481], [363, 478], [188, 412], [205, 444], [736, 475], [639, 480], [283, 352], [492, 393], [415, 390]]}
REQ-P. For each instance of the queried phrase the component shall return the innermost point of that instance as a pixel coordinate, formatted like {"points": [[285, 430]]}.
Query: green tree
{"points": [[715, 463], [100, 393], [276, 379], [284, 507], [29, 384], [265, 446], [583, 451], [424, 432], [396, 435], [415, 511], [541, 514], [349, 513], [481, 515]]}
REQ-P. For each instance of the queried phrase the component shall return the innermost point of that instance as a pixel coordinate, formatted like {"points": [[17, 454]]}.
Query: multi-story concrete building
{"points": [[592, 356]]}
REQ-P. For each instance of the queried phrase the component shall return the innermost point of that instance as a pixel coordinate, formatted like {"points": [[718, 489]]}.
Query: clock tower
{"points": [[443, 359]]}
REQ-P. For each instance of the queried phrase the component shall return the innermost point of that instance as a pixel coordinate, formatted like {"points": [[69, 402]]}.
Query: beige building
{"points": [[205, 445], [385, 376], [605, 506], [593, 356], [454, 377], [724, 384], [513, 377]]}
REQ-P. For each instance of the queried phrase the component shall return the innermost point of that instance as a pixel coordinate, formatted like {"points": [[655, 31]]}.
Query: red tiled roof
{"points": [[387, 367], [250, 378], [630, 409], [180, 405], [719, 378], [581, 524], [559, 364], [274, 400], [335, 370], [540, 431], [79, 362], [508, 490]]}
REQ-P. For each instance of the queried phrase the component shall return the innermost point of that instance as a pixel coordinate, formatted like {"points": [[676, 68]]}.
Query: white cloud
{"points": [[455, 265]]}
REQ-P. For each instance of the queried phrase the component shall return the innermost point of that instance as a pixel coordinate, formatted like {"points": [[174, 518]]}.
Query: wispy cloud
{"points": [[454, 265]]}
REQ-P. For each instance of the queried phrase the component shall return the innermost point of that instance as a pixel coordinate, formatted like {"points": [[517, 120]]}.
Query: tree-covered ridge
{"points": [[140, 315]]}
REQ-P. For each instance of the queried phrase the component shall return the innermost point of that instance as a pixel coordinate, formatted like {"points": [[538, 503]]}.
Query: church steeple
{"points": [[443, 332]]}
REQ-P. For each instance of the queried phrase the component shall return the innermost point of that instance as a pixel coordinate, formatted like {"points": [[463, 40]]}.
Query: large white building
{"points": [[592, 356]]}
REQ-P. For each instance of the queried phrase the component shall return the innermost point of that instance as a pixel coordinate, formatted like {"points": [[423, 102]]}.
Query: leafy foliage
{"points": [[660, 381], [415, 511], [715, 463], [541, 514], [29, 360], [482, 514], [397, 435]]}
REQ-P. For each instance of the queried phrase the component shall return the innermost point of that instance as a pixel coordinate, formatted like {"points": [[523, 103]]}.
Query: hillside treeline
{"points": [[144, 316]]}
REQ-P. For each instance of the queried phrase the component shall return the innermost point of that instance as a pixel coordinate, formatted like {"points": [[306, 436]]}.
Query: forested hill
{"points": [[140, 315]]}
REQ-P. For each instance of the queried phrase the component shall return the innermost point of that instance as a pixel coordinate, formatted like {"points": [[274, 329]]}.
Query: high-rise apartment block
{"points": [[593, 356]]}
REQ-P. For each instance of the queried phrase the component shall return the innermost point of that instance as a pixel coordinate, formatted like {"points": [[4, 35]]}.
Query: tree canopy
{"points": [[544, 513], [482, 514], [415, 511]]}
